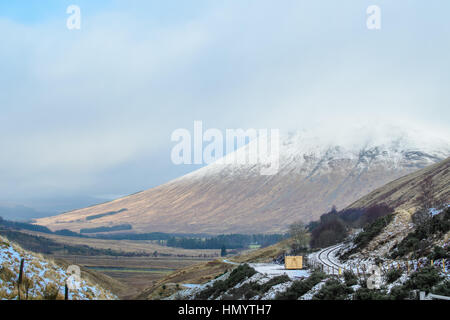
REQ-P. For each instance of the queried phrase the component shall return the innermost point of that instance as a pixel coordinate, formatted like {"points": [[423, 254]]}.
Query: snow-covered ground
{"points": [[272, 270], [42, 274]]}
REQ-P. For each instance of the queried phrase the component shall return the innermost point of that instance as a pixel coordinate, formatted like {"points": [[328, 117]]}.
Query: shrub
{"points": [[350, 278], [439, 253], [442, 289], [392, 275], [424, 279], [333, 290], [247, 290], [362, 283], [238, 275], [418, 240], [300, 287], [399, 293], [372, 230], [273, 282], [367, 294], [251, 289], [368, 234]]}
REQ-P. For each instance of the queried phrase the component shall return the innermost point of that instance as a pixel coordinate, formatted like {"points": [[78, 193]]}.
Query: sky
{"points": [[87, 115]]}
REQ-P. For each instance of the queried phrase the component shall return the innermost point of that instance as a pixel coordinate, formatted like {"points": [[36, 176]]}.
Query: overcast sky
{"points": [[90, 112]]}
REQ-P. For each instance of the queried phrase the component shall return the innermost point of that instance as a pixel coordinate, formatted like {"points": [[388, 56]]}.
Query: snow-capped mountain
{"points": [[315, 172]]}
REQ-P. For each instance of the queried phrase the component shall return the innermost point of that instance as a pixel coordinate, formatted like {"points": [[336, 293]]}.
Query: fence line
{"points": [[20, 279], [407, 266]]}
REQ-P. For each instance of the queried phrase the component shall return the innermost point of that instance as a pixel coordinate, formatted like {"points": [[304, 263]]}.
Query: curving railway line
{"points": [[326, 257]]}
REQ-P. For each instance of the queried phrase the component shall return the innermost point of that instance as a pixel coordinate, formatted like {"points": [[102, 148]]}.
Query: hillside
{"points": [[404, 192], [42, 278], [314, 174], [404, 195], [207, 271]]}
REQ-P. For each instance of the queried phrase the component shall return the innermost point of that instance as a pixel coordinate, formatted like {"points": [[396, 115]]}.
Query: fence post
{"points": [[19, 281], [407, 267], [432, 263], [443, 265], [66, 292]]}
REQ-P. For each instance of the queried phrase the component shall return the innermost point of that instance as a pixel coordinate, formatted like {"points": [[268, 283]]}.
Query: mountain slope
{"points": [[44, 277], [404, 192], [314, 174], [404, 196]]}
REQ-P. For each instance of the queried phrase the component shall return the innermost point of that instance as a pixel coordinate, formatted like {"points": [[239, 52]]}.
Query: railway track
{"points": [[324, 257]]}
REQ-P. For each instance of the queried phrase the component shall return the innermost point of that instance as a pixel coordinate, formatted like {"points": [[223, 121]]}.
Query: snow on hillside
{"points": [[315, 172], [44, 276], [311, 151]]}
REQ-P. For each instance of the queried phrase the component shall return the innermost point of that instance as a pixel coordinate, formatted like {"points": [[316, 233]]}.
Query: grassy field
{"points": [[151, 277], [208, 270], [133, 273], [127, 276], [128, 245]]}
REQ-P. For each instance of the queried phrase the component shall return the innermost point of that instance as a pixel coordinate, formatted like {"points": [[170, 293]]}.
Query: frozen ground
{"points": [[273, 270], [42, 274]]}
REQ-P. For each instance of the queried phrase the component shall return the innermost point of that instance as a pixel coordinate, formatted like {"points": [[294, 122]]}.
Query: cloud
{"points": [[92, 111]]}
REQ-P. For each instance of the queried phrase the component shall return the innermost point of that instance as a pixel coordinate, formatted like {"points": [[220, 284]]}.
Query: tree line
{"points": [[230, 241]]}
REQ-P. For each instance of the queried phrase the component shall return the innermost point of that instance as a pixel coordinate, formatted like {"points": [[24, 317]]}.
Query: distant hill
{"points": [[314, 174], [20, 213]]}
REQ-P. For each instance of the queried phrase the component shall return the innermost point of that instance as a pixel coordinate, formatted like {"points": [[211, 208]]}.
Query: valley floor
{"points": [[135, 273]]}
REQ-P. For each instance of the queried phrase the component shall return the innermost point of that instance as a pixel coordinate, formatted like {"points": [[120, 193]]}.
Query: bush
{"points": [[368, 234], [333, 290], [273, 282], [392, 275], [367, 294], [300, 287], [424, 280], [418, 241], [251, 289], [248, 290], [399, 293], [439, 253], [372, 230], [350, 278], [238, 275], [442, 289]]}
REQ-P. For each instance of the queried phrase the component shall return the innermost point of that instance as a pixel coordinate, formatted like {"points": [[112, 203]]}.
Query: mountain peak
{"points": [[315, 172]]}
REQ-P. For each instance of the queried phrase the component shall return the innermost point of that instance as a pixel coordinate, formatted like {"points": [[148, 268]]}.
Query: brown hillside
{"points": [[404, 192]]}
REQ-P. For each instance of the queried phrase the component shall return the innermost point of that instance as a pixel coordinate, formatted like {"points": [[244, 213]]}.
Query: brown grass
{"points": [[204, 272], [124, 245]]}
